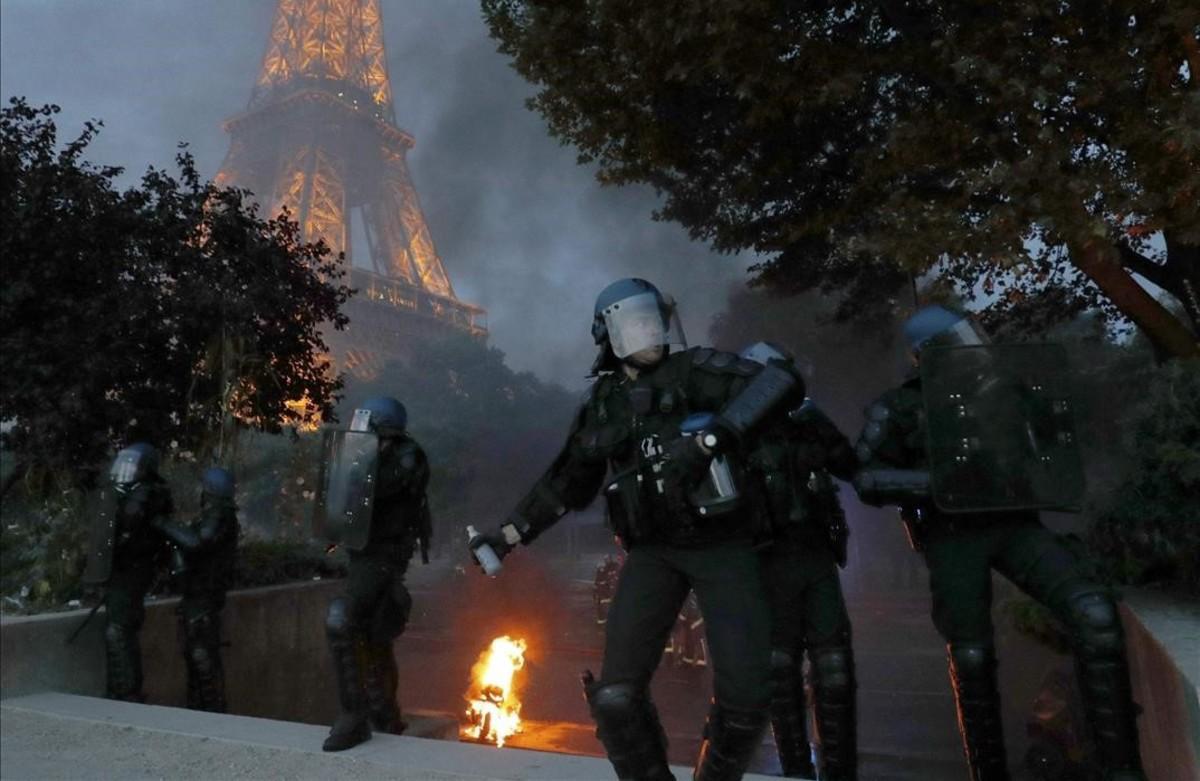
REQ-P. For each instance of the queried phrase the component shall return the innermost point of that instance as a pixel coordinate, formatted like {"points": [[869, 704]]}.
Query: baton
{"points": [[87, 620]]}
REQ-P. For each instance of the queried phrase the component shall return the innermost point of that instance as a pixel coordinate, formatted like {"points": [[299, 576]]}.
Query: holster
{"points": [[626, 516], [914, 527]]}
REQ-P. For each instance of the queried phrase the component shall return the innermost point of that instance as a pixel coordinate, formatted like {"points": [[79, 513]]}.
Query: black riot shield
{"points": [[1000, 429], [346, 488], [102, 538]]}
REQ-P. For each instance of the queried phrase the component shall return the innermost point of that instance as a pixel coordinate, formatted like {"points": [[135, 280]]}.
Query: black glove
{"points": [[685, 461]]}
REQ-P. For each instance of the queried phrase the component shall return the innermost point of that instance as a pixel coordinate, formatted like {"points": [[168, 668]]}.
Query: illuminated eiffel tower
{"points": [[319, 136]]}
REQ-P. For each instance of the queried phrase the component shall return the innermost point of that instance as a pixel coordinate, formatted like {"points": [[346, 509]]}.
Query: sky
{"points": [[522, 230]]}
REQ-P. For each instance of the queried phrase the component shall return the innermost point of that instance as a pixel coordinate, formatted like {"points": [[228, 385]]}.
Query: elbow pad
{"points": [[540, 509], [760, 398]]}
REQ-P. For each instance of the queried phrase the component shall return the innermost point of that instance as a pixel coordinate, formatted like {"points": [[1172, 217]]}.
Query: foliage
{"points": [[42, 557], [488, 431], [1009, 147], [169, 312], [1147, 531], [262, 562], [846, 364]]}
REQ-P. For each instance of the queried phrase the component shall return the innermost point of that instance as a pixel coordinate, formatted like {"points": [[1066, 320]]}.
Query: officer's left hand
{"points": [[686, 459]]}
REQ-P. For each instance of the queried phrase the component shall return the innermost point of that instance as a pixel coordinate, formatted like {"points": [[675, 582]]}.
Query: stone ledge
{"points": [[68, 736], [1163, 638]]}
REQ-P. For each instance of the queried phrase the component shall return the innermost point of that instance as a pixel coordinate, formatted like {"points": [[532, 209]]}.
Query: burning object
{"points": [[494, 711]]}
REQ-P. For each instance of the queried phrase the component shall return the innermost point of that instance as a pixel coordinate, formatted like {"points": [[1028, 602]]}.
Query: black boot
{"points": [[834, 702], [627, 724], [351, 727], [380, 680], [789, 716], [1103, 672], [730, 739], [124, 664], [973, 677], [206, 674]]}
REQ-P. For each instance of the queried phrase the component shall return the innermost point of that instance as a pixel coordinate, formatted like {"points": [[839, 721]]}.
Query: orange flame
{"points": [[494, 712]]}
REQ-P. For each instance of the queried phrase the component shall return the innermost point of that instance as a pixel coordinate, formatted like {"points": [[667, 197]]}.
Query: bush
{"points": [[1147, 531]]}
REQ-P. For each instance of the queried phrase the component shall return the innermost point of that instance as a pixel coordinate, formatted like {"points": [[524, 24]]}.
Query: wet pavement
{"points": [[907, 724]]}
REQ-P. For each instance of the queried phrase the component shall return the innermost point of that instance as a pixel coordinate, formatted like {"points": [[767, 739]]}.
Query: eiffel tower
{"points": [[319, 136]]}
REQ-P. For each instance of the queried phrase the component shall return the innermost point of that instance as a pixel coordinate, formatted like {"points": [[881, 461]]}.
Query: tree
{"points": [[1006, 146], [169, 312], [488, 431]]}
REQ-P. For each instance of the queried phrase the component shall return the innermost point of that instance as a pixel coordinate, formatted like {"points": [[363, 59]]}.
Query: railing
{"points": [[410, 298]]}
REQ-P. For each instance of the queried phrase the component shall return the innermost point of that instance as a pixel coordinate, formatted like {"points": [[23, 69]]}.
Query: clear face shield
{"points": [[636, 323], [361, 420], [127, 469]]}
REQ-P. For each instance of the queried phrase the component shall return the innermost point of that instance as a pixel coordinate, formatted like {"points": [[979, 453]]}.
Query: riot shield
{"points": [[102, 537], [1000, 432], [346, 488]]}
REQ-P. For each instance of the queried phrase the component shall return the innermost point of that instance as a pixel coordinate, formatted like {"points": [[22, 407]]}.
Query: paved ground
{"points": [[58, 736]]}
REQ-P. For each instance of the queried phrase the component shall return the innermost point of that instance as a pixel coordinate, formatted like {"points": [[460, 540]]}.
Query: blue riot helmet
{"points": [[632, 315], [133, 465], [937, 326], [382, 415], [217, 483]]}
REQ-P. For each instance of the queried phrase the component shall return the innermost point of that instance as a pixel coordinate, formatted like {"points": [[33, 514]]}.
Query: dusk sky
{"points": [[522, 229]]}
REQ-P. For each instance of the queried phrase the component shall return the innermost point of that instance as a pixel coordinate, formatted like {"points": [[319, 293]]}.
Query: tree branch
{"points": [[1098, 261], [16, 474], [1140, 264]]}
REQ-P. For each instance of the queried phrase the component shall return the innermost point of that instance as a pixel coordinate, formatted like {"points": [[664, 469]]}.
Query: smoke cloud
{"points": [[522, 229]]}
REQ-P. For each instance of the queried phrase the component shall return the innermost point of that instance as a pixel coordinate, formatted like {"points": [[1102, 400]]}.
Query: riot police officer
{"points": [[672, 500], [792, 465], [373, 502], [126, 550], [961, 548], [205, 554]]}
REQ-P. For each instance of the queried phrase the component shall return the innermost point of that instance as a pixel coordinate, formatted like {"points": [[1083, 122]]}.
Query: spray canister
{"points": [[484, 554]]}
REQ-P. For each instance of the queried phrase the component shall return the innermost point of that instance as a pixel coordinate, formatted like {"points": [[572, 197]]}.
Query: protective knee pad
{"points": [[789, 716], [1103, 672], [115, 635], [337, 620], [123, 673], [615, 702], [973, 676], [782, 659], [628, 726], [834, 692], [1095, 624], [391, 615], [833, 672]]}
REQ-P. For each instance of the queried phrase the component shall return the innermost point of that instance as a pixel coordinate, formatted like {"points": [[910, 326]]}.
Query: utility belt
{"points": [[923, 522], [643, 507]]}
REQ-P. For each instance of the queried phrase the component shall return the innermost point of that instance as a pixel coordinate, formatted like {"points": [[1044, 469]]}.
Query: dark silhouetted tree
{"points": [[169, 311], [1008, 146]]}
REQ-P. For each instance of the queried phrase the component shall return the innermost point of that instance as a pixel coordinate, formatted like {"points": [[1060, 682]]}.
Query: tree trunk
{"points": [[16, 474], [1098, 260]]}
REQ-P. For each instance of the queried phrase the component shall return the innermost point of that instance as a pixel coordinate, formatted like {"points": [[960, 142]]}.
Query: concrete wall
{"points": [[276, 664], [1164, 659]]}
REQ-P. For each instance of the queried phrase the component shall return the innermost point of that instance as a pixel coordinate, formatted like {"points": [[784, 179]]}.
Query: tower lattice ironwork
{"points": [[319, 137]]}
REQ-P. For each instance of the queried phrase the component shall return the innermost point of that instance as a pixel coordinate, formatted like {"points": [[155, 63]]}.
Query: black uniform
{"points": [[632, 426], [139, 551], [792, 465], [961, 550], [374, 609], [208, 547]]}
